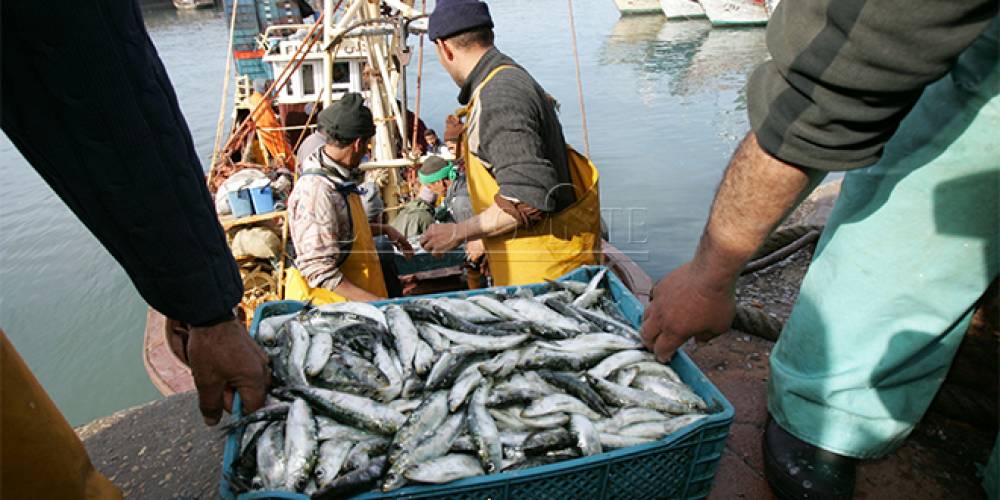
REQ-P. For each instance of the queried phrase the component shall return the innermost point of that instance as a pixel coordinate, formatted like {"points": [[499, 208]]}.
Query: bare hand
{"points": [[439, 238], [225, 360], [683, 306], [474, 250]]}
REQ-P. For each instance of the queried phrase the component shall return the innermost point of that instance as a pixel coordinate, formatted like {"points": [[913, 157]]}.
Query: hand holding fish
{"points": [[685, 304], [225, 360]]}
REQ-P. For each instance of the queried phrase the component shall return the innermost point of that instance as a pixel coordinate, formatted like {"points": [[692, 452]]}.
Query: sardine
{"points": [[608, 323], [591, 342], [588, 298], [670, 390], [515, 396], [467, 381], [423, 359], [329, 429], [320, 349], [482, 342], [575, 287], [354, 482], [332, 455], [268, 328], [405, 405], [276, 411], [617, 395], [363, 309], [447, 368], [503, 364], [405, 334], [548, 440], [425, 419], [625, 376], [587, 437], [296, 365], [559, 403], [576, 387], [432, 337], [363, 452], [539, 313], [384, 362], [657, 369], [300, 445], [468, 310], [353, 410], [656, 430], [496, 307], [271, 456], [618, 360], [536, 358], [445, 469], [437, 442], [484, 430]]}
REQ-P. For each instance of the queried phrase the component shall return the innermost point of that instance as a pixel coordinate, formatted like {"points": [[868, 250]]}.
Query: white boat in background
{"points": [[770, 5], [735, 12], [638, 6], [682, 9]]}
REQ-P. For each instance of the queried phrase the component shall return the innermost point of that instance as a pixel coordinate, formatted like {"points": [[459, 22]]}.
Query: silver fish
{"points": [[626, 376], [320, 349], [539, 313], [670, 390], [560, 295], [496, 307], [329, 429], [656, 369], [626, 396], [359, 308], [615, 441], [438, 441], [618, 360], [484, 430], [595, 282], [423, 359], [514, 420], [300, 445], [405, 405], [423, 420], [432, 337], [537, 358], [548, 440], [447, 367], [482, 342], [271, 456], [405, 334], [467, 381], [300, 340], [559, 403], [363, 452], [576, 287], [354, 410], [467, 310], [332, 455], [591, 342], [656, 430], [445, 469], [503, 364], [384, 362], [587, 437], [268, 328], [588, 298]]}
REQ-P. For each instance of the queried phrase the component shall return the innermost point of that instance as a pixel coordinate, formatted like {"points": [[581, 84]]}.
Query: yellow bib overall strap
{"points": [[361, 267], [556, 245]]}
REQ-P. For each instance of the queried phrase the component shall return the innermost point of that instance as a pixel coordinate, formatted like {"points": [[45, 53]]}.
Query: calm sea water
{"points": [[665, 109]]}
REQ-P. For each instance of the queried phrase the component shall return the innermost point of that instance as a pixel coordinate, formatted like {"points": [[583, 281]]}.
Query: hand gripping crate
{"points": [[679, 466]]}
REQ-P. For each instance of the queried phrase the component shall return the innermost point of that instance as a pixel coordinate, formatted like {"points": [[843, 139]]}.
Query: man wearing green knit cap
{"points": [[436, 177]]}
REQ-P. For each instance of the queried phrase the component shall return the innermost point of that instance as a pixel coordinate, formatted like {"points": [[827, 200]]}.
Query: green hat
{"points": [[435, 169], [347, 118]]}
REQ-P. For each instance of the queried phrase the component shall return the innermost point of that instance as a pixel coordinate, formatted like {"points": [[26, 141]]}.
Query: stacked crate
{"points": [[271, 12], [245, 50]]}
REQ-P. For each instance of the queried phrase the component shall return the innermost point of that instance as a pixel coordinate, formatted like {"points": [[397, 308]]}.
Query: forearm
{"points": [[490, 222], [350, 291], [756, 193]]}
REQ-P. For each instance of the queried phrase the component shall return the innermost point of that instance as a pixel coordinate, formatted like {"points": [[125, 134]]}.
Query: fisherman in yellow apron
{"points": [[336, 259], [536, 199]]}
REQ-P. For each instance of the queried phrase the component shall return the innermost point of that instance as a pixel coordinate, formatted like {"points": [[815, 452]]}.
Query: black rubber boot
{"points": [[796, 469]]}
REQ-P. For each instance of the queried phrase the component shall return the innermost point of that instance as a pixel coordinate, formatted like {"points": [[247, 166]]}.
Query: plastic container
{"points": [[681, 465], [240, 202], [263, 199]]}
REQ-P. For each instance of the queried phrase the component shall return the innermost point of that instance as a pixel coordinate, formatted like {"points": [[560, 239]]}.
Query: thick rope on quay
{"points": [[757, 322]]}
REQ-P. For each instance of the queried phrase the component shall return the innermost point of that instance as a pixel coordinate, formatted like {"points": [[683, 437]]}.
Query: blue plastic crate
{"points": [[681, 465]]}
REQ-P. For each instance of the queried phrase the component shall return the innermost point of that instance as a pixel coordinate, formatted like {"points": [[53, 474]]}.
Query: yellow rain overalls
{"points": [[553, 247], [40, 455], [361, 267]]}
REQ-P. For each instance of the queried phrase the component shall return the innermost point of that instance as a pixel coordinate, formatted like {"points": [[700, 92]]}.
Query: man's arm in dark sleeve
{"points": [[844, 73], [509, 129], [91, 108]]}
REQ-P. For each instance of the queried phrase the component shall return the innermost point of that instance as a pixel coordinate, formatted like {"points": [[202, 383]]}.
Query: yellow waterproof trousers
{"points": [[40, 455]]}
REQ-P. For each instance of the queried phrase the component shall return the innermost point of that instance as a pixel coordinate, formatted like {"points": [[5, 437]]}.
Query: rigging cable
{"points": [[579, 81], [225, 89]]}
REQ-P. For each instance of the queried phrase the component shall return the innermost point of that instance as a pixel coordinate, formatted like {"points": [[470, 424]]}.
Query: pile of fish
{"points": [[434, 390]]}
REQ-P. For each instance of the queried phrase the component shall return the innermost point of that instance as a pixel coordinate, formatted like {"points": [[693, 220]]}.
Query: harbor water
{"points": [[665, 108]]}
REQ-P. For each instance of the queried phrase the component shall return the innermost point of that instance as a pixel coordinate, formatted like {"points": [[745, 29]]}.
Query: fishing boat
{"points": [[353, 46], [193, 4], [682, 9], [629, 7], [735, 12]]}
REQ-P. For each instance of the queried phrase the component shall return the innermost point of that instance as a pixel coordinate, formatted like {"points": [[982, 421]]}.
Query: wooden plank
{"points": [[735, 12], [229, 222]]}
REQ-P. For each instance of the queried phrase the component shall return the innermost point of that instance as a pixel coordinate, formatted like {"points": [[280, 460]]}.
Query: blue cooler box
{"points": [[681, 465], [240, 202], [263, 199]]}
